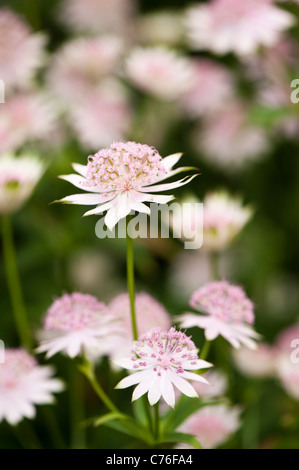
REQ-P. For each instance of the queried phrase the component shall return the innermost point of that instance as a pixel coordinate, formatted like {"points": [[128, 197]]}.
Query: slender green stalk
{"points": [[156, 422], [14, 284], [88, 370], [214, 262], [130, 279], [205, 350], [77, 408]]}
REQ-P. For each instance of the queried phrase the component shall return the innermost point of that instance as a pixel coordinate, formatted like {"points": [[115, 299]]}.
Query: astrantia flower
{"points": [[121, 178], [149, 314], [18, 177], [25, 117], [20, 50], [24, 384], [159, 361], [241, 141], [78, 324], [258, 363], [287, 357], [159, 71], [223, 219], [212, 425], [228, 312], [224, 26]]}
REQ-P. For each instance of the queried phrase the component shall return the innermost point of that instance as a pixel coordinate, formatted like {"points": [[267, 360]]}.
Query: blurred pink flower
{"points": [[100, 16], [120, 179], [21, 51], [228, 313], [223, 26], [285, 337], [78, 324], [25, 117], [102, 117], [161, 360], [212, 87], [288, 374], [149, 314], [24, 384], [78, 68], [212, 425], [258, 363], [18, 178], [159, 71], [238, 142], [217, 384]]}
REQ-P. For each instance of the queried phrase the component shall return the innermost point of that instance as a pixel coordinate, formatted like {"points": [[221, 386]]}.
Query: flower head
{"points": [[78, 324], [23, 384], [223, 219], [224, 26], [149, 314], [151, 68], [121, 178], [228, 312], [20, 50], [212, 425], [256, 363], [18, 177], [161, 359]]}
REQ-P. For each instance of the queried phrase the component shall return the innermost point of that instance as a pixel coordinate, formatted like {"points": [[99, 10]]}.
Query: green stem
{"points": [[214, 262], [77, 409], [156, 422], [130, 279], [205, 350], [88, 370], [14, 284]]}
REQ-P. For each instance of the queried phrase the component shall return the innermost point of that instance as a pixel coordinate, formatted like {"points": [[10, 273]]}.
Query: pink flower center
{"points": [[74, 312], [124, 166]]}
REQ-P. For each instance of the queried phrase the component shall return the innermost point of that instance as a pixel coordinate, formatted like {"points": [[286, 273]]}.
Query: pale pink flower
{"points": [[21, 51], [285, 338], [159, 71], [18, 178], [100, 16], [25, 117], [77, 324], [256, 363], [159, 361], [287, 360], [24, 384], [228, 313], [102, 117], [80, 65], [211, 89], [216, 387], [149, 314], [238, 141], [223, 219], [121, 178], [224, 26], [212, 425]]}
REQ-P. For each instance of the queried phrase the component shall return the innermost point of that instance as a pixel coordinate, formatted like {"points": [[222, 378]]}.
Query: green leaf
{"points": [[131, 428], [181, 437], [109, 417], [139, 411]]}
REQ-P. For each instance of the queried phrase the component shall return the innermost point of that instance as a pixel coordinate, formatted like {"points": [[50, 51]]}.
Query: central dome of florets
{"points": [[124, 166]]}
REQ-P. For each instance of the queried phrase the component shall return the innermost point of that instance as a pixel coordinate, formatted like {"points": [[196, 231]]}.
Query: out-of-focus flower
{"points": [[223, 219], [211, 89], [25, 117], [100, 16], [287, 366], [78, 324], [81, 64], [149, 314], [121, 178], [102, 117], [212, 425], [216, 387], [258, 363], [162, 27], [21, 51], [160, 72], [224, 26], [24, 384], [285, 338], [228, 312], [18, 177], [159, 361], [238, 141]]}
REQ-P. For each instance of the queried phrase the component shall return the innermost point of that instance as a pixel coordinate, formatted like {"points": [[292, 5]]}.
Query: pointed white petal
{"points": [[195, 377], [132, 379], [169, 161], [78, 181], [167, 390], [159, 199], [143, 387], [101, 208], [168, 186], [182, 384], [154, 393], [81, 169], [86, 199]]}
